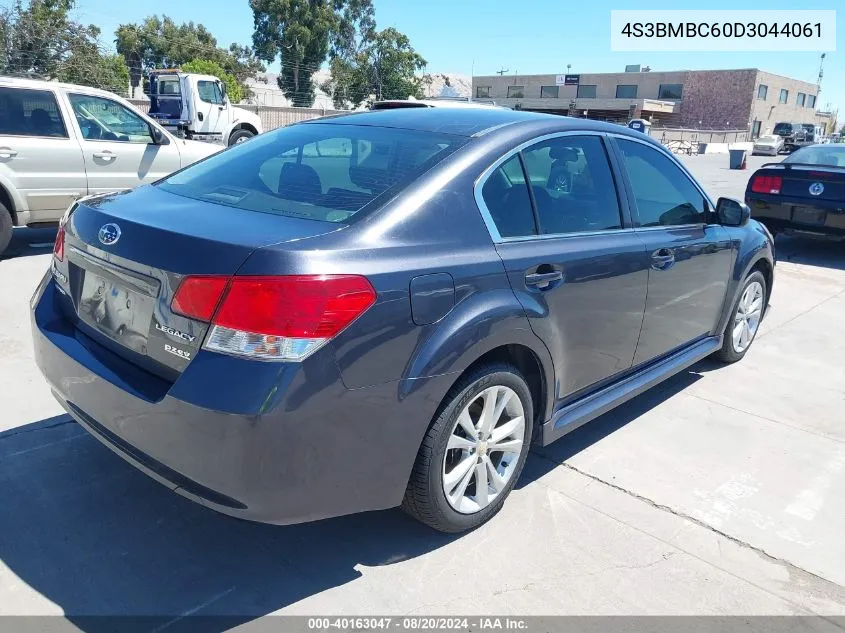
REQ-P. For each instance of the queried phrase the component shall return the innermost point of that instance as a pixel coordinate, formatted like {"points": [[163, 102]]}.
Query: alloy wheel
{"points": [[483, 449], [747, 317]]}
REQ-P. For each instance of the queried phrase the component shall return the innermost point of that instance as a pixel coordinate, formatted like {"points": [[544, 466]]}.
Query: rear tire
{"points": [[459, 450], [240, 136], [745, 319], [6, 227]]}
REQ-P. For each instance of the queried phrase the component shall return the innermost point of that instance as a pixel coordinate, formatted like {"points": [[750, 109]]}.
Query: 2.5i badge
{"points": [[177, 352]]}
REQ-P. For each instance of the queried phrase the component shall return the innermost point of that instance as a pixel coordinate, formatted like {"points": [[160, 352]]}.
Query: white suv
{"points": [[59, 142]]}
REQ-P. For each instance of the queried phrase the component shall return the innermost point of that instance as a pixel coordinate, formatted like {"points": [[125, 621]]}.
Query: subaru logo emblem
{"points": [[109, 234], [816, 189]]}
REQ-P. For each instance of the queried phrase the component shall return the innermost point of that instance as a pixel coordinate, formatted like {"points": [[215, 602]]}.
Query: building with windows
{"points": [[743, 99]]}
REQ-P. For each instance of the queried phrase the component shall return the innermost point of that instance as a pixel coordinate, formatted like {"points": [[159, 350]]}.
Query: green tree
{"points": [[383, 66], [39, 39], [159, 42], [302, 34], [208, 67]]}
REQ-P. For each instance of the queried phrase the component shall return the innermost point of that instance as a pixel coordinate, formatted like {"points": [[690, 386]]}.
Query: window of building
{"points": [[624, 91], [755, 129], [573, 185], [482, 92], [506, 198], [586, 92], [670, 91], [811, 101], [784, 95], [549, 92], [801, 100], [762, 92], [516, 92], [664, 194], [30, 113]]}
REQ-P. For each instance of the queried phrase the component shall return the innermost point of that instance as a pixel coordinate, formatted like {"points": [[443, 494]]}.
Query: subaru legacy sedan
{"points": [[389, 308]]}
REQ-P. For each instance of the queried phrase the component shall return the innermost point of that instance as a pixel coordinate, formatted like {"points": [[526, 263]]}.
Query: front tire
{"points": [[745, 319], [473, 452], [240, 136]]}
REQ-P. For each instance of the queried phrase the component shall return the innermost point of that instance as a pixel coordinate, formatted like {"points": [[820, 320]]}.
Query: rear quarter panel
{"points": [[433, 227]]}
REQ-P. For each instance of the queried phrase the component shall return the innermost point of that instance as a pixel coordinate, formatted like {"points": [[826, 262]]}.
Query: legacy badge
{"points": [[175, 333]]}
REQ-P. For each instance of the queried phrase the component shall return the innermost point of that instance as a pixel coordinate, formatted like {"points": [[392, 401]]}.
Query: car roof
{"points": [[469, 121], [41, 84]]}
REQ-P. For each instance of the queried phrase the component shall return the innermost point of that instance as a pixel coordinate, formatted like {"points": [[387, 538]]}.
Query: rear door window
{"points": [[26, 112], [573, 185], [506, 198], [320, 171]]}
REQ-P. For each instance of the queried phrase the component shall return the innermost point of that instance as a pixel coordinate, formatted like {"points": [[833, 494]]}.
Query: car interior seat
{"points": [[300, 183]]}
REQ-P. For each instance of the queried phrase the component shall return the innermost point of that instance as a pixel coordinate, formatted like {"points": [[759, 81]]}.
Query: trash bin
{"points": [[737, 158]]}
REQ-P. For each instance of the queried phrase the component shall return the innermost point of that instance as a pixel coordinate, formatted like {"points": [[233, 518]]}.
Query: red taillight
{"points": [[282, 318], [59, 244], [302, 306], [766, 184], [197, 297]]}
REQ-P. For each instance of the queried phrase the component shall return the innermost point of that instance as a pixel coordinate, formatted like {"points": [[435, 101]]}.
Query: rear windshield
{"points": [[320, 171], [827, 154], [783, 129]]}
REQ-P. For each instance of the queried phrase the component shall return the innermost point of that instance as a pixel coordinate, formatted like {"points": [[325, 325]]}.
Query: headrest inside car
{"points": [[563, 153]]}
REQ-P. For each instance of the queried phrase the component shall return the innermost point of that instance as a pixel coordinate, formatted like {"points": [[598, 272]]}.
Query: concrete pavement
{"points": [[719, 492]]}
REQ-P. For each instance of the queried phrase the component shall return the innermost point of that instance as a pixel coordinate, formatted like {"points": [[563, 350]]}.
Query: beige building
{"points": [[743, 99]]}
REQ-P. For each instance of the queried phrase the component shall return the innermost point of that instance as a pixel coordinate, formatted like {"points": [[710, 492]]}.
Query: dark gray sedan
{"points": [[388, 308]]}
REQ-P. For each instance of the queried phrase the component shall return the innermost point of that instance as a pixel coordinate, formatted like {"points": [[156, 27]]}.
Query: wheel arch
{"points": [[9, 202], [241, 125]]}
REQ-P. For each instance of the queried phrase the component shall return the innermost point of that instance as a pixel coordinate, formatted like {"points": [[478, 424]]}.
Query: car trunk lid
{"points": [[125, 256]]}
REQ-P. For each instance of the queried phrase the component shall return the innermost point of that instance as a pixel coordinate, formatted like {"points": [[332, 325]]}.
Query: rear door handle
{"points": [[543, 280], [7, 152], [105, 155]]}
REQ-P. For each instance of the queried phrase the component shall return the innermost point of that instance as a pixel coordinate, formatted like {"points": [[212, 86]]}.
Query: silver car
{"points": [[769, 145], [59, 142]]}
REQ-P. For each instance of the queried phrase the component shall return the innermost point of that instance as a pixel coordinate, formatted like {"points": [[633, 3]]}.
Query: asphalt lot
{"points": [[720, 492]]}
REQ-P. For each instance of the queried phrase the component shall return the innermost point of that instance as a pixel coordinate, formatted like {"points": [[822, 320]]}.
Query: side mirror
{"points": [[732, 212], [159, 137]]}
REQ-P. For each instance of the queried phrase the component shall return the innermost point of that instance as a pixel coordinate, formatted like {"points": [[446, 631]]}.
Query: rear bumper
{"points": [[294, 445], [779, 214]]}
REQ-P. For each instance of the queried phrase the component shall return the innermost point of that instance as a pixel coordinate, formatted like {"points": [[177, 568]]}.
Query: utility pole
{"points": [[502, 71], [821, 74]]}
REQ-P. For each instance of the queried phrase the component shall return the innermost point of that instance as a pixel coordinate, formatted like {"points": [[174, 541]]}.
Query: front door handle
{"points": [[543, 280], [7, 152], [662, 258], [105, 155]]}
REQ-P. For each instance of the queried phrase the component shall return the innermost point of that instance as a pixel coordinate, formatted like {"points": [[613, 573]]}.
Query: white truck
{"points": [[196, 107]]}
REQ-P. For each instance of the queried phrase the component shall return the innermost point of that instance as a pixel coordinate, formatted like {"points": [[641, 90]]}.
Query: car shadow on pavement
{"points": [[96, 537], [811, 252], [30, 241]]}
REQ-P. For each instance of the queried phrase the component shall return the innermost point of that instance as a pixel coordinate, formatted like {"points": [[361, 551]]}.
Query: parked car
{"points": [[59, 142], [805, 193], [769, 145], [375, 309]]}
